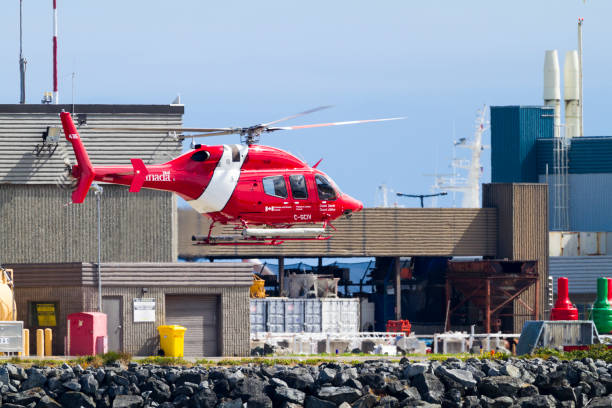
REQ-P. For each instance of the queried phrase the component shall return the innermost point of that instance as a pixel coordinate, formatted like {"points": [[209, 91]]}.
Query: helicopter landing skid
{"points": [[241, 240]]}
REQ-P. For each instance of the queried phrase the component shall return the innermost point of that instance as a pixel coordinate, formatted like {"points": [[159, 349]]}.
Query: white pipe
{"points": [[283, 232], [571, 94], [552, 86]]}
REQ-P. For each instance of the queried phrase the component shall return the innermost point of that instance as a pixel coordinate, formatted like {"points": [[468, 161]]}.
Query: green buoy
{"points": [[602, 312]]}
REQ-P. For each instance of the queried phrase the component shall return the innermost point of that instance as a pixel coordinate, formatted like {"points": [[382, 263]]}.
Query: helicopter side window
{"points": [[275, 186], [325, 189], [298, 187], [200, 156]]}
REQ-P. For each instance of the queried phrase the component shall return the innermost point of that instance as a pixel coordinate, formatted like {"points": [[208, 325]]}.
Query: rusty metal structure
{"points": [[492, 286]]}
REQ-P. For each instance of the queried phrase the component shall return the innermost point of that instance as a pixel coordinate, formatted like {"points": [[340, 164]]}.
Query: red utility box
{"points": [[86, 334]]}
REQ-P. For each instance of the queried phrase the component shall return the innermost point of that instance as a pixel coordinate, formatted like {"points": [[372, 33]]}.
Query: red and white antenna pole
{"points": [[55, 93]]}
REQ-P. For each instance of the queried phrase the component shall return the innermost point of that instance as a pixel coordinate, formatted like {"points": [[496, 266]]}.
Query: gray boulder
{"points": [[259, 401], [338, 395], [35, 378], [285, 394], [367, 401], [600, 402], [128, 401], [314, 402], [299, 378], [89, 384], [500, 386], [463, 377], [430, 387], [76, 399], [25, 397], [48, 402], [538, 401], [412, 370]]}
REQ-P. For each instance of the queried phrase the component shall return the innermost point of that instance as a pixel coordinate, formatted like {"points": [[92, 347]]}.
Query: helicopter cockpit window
{"points": [[275, 186], [298, 187], [200, 156], [325, 189]]}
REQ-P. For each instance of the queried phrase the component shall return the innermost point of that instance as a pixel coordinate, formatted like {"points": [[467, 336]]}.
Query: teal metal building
{"points": [[522, 150], [514, 131]]}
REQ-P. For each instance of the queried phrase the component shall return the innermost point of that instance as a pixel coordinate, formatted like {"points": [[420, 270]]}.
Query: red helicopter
{"points": [[266, 193]]}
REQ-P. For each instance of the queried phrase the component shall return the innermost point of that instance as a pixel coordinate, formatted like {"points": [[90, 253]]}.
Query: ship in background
{"points": [[465, 176], [466, 173]]}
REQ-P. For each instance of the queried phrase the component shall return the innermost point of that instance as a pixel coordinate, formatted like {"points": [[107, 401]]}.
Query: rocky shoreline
{"points": [[377, 383]]}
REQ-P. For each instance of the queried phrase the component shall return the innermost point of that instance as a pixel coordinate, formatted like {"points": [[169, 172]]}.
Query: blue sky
{"points": [[241, 63]]}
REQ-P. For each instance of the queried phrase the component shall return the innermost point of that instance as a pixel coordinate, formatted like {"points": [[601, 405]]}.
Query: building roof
{"points": [[141, 274], [25, 160]]}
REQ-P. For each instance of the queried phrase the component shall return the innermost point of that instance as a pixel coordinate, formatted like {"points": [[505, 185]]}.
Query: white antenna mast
{"points": [[469, 185], [580, 21]]}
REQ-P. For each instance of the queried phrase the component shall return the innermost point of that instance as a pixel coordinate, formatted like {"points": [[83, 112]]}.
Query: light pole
{"points": [[98, 193], [421, 196]]}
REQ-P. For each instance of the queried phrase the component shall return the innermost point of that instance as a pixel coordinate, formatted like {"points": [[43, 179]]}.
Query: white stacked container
{"points": [[340, 315]]}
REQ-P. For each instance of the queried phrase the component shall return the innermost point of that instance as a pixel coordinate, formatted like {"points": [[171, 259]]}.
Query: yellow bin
{"points": [[172, 340]]}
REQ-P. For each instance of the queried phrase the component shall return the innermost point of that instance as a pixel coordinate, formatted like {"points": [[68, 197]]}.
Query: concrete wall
{"points": [[371, 232], [70, 299], [142, 338], [37, 226]]}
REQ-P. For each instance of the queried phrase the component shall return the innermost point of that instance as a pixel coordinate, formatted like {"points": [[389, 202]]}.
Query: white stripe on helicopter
{"points": [[223, 181]]}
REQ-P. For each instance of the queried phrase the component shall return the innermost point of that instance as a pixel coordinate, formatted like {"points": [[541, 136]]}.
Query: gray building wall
{"points": [[22, 127], [35, 223], [590, 201], [581, 271], [37, 226]]}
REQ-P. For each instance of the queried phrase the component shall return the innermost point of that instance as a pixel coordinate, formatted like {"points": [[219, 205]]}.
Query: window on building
{"points": [[325, 189], [275, 186], [298, 186]]}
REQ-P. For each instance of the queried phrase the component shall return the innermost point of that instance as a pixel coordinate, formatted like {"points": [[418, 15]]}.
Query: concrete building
{"points": [[36, 224], [210, 299], [52, 246]]}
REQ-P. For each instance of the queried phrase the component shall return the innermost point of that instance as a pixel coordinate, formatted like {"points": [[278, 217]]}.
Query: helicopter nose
{"points": [[351, 205]]}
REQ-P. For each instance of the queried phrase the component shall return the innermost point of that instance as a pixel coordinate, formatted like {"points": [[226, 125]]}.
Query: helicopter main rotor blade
{"points": [[352, 122], [296, 115], [227, 132], [150, 129]]}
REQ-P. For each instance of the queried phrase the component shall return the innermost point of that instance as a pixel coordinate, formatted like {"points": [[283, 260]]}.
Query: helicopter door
{"points": [[276, 200], [302, 201], [247, 196], [327, 196]]}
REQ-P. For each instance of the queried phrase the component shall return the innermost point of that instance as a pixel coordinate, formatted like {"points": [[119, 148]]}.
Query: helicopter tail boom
{"points": [[84, 170]]}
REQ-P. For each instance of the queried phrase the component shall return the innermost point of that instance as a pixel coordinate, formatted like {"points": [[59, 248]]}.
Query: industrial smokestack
{"points": [[55, 93], [552, 86], [571, 94]]}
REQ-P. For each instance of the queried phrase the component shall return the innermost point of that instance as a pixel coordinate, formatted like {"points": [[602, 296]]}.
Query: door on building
{"points": [[112, 306], [199, 314]]}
